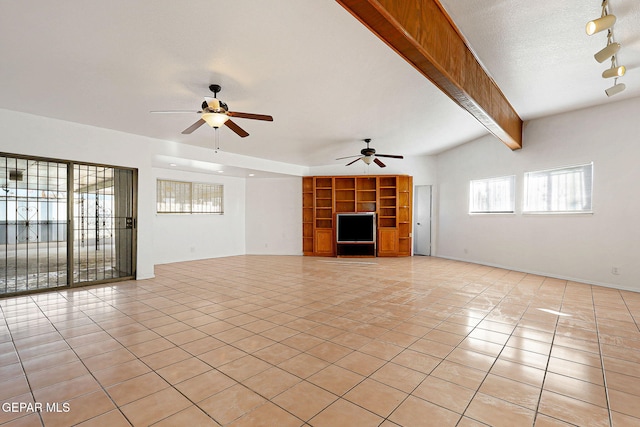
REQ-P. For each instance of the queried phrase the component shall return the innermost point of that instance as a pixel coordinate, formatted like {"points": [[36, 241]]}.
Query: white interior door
{"points": [[422, 218]]}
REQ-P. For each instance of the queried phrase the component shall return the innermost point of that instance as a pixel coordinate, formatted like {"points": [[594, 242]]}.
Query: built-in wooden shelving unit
{"points": [[389, 196]]}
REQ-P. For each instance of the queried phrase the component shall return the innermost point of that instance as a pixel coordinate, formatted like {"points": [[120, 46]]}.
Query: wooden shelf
{"points": [[356, 249], [387, 181], [308, 217], [342, 183], [345, 206], [389, 196]]}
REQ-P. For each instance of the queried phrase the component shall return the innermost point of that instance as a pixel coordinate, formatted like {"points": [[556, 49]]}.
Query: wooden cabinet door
{"points": [[388, 242], [324, 242]]}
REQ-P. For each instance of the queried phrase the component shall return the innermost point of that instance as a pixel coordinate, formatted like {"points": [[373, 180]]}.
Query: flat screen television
{"points": [[356, 227]]}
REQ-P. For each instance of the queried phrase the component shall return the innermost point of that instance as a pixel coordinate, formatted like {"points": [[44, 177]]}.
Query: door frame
{"points": [[71, 227]]}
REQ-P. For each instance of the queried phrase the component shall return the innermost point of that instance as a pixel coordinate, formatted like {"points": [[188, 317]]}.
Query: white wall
{"points": [[258, 213], [274, 216], [578, 247], [39, 136], [274, 205], [160, 239], [422, 168], [189, 237]]}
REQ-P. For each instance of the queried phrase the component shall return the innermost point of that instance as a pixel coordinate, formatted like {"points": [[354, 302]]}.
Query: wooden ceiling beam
{"points": [[422, 33]]}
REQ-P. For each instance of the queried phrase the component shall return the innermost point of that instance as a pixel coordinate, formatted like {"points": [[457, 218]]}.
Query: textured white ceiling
{"points": [[540, 55], [327, 81]]}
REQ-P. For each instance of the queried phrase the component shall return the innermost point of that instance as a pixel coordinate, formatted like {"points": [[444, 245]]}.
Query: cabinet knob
{"points": [[418, 223]]}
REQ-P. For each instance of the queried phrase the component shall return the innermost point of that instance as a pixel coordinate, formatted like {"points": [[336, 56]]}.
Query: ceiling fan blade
{"points": [[251, 116], [237, 129], [193, 127], [350, 163], [379, 163], [393, 156], [348, 157], [175, 111]]}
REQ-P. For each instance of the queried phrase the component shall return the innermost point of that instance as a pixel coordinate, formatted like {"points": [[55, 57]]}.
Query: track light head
{"points": [[600, 24], [614, 72], [605, 22], [606, 53], [615, 89]]}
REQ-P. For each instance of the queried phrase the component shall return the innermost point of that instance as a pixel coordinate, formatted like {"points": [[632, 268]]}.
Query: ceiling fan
{"points": [[216, 113], [369, 155]]}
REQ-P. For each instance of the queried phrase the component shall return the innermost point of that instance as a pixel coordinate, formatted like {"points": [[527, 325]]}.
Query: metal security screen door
{"points": [[103, 213], [64, 224]]}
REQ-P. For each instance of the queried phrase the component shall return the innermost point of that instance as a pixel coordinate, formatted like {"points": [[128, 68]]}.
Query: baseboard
{"points": [[545, 274]]}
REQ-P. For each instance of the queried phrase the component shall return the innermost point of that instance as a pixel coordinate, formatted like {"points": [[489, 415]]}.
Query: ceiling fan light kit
{"points": [[215, 120], [216, 113], [606, 22]]}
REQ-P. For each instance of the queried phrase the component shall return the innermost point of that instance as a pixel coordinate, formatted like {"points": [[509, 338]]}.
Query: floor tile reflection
{"points": [[313, 341]]}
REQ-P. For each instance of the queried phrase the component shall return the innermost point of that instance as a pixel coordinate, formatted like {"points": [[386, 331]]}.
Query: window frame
{"points": [[213, 192], [526, 189], [511, 178]]}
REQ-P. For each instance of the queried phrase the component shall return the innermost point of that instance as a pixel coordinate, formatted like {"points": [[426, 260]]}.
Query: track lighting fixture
{"points": [[600, 24], [606, 53], [615, 89], [605, 21], [614, 72]]}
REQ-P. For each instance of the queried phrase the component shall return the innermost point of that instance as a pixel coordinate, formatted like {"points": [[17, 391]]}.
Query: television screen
{"points": [[356, 227]]}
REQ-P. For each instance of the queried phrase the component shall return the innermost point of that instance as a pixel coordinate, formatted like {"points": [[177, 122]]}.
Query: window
{"points": [[562, 190], [189, 197], [492, 195]]}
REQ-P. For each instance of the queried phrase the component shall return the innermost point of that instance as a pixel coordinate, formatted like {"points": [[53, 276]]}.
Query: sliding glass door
{"points": [[103, 223], [33, 224], [64, 224]]}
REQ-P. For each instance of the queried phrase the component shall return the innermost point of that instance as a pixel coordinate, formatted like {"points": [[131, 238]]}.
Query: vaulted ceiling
{"points": [[326, 79]]}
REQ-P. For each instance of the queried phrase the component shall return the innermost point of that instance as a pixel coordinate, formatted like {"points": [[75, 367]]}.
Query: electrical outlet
{"points": [[615, 271]]}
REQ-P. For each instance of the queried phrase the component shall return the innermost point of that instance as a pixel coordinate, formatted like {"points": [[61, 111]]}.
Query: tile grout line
{"points": [[196, 356], [357, 295], [83, 363], [546, 368], [602, 366], [498, 356], [141, 361], [21, 362], [102, 387]]}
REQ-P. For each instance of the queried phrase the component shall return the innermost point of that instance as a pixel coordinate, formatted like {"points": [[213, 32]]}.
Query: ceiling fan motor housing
{"points": [[214, 105], [368, 151]]}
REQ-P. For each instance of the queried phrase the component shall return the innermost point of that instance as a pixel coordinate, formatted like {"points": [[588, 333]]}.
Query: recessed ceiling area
{"points": [[210, 167], [324, 77]]}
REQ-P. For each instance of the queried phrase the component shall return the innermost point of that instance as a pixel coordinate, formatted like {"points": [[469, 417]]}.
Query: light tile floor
{"points": [[290, 341]]}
